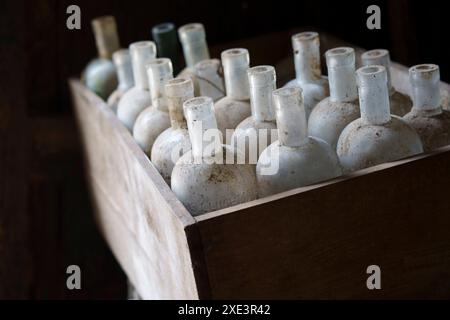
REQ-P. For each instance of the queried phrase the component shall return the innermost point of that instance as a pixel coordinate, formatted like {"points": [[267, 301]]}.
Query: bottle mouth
{"points": [[341, 56], [428, 67], [375, 54], [234, 52], [371, 70], [163, 27], [177, 81], [261, 70], [197, 102], [191, 32], [305, 36], [340, 51]]}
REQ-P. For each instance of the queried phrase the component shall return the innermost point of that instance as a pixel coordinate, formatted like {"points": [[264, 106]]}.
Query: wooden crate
{"points": [[311, 242]]}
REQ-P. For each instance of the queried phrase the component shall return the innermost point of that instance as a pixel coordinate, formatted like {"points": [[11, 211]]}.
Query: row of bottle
{"points": [[316, 137]]}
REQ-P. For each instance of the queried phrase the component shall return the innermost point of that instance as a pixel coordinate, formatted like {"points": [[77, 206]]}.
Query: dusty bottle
{"points": [[258, 131], [137, 98], [172, 143], [427, 117], [154, 119], [210, 80], [306, 46], [166, 40], [400, 103], [122, 61], [331, 115], [235, 106], [295, 159], [203, 179], [377, 136], [195, 49], [100, 74]]}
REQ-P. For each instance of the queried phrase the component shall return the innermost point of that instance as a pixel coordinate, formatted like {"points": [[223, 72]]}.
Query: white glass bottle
{"points": [[172, 143], [100, 74], [235, 106], [258, 131], [377, 136], [331, 115], [154, 119], [210, 79], [295, 159], [122, 61], [137, 98], [427, 117], [203, 179], [400, 103], [308, 75]]}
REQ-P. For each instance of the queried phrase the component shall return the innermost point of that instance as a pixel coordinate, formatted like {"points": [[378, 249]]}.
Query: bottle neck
{"points": [[342, 84], [235, 65], [262, 84], [379, 57], [291, 117], [425, 87], [306, 47], [195, 52], [374, 95], [205, 138], [122, 61], [159, 72], [178, 91], [142, 53], [106, 37]]}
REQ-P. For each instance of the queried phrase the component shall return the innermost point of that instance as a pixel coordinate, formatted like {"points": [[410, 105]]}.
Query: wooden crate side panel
{"points": [[318, 244], [141, 218]]}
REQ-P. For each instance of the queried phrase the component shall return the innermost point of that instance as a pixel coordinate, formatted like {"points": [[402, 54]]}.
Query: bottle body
{"points": [[295, 159], [376, 137], [331, 115], [427, 116], [203, 179]]}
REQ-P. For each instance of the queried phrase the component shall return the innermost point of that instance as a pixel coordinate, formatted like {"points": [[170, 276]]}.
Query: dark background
{"points": [[45, 211]]}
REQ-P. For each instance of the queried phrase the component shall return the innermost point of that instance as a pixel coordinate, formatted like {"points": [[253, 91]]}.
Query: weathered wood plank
{"points": [[142, 220]]}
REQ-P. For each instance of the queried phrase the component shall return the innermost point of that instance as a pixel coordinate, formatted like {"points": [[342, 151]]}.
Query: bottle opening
{"points": [[163, 27], [199, 101], [177, 81], [304, 36], [371, 70], [340, 51], [376, 53], [425, 67]]}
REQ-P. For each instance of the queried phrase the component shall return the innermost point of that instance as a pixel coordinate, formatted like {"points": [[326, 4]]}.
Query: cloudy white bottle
{"points": [[100, 74], [203, 179], [258, 131], [235, 106], [308, 74], [377, 137], [295, 159], [400, 103], [154, 119], [331, 115], [210, 79], [137, 98], [427, 117], [172, 143], [122, 61]]}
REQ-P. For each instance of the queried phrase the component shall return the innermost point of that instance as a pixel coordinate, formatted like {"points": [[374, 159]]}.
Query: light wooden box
{"points": [[311, 242]]}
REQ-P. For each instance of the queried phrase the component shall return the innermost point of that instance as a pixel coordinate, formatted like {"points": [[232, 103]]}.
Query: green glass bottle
{"points": [[166, 39]]}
